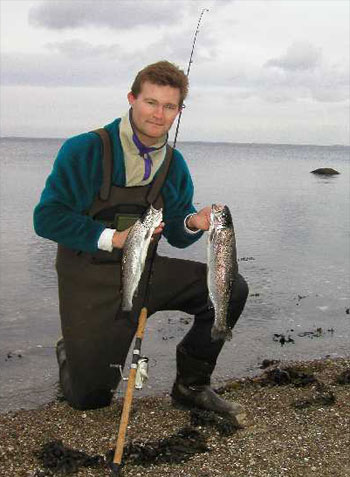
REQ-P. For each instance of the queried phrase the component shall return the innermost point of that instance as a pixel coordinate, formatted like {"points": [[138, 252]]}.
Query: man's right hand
{"points": [[119, 238]]}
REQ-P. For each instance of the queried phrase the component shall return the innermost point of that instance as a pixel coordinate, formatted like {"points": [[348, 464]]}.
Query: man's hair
{"points": [[163, 73]]}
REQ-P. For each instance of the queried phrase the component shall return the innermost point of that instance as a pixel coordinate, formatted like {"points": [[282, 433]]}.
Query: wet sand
{"points": [[298, 424]]}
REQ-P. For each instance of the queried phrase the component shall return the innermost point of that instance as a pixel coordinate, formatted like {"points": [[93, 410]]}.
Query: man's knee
{"points": [[80, 395], [80, 398]]}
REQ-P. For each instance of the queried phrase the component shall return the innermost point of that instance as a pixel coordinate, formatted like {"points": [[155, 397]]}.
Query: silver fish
{"points": [[222, 267], [135, 252]]}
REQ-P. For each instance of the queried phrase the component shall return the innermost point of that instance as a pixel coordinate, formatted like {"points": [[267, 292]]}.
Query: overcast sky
{"points": [[274, 71]]}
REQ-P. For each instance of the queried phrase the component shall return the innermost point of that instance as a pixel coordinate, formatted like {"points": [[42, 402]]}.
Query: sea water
{"points": [[292, 229]]}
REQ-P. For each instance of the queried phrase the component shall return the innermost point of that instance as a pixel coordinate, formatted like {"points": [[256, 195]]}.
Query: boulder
{"points": [[326, 171]]}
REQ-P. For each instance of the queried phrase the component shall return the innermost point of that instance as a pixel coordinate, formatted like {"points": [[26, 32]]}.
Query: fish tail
{"points": [[127, 304], [221, 333]]}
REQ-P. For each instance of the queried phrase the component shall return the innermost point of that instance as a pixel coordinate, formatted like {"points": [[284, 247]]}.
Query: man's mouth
{"points": [[155, 124]]}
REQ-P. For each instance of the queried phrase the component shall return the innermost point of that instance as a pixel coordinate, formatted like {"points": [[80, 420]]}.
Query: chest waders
{"points": [[95, 332]]}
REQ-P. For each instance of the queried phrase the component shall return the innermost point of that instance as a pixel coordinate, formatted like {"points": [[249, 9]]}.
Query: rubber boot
{"points": [[192, 389]]}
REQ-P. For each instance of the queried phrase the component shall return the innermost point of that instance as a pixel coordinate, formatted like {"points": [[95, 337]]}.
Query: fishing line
{"points": [[189, 69]]}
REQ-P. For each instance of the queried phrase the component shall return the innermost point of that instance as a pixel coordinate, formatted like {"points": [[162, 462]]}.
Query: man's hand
{"points": [[200, 220], [119, 238]]}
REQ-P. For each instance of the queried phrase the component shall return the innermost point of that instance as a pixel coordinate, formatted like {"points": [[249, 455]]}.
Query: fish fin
{"points": [[211, 234], [210, 304]]}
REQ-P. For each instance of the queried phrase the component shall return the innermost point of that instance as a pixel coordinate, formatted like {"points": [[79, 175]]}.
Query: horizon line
{"points": [[197, 141]]}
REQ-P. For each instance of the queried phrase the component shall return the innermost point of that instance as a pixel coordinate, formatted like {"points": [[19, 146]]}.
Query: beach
{"points": [[292, 232], [298, 425], [293, 249]]}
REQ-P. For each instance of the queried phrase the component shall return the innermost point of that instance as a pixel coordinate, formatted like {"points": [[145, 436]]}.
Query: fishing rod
{"points": [[115, 465], [189, 69], [136, 355]]}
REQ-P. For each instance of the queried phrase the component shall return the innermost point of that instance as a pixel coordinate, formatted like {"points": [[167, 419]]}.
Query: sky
{"points": [[263, 71]]}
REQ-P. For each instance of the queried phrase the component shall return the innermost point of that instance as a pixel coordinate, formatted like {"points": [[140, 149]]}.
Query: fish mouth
{"points": [[217, 207], [220, 215]]}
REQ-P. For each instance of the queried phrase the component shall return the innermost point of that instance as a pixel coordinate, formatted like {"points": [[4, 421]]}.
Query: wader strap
{"points": [[107, 163], [159, 181]]}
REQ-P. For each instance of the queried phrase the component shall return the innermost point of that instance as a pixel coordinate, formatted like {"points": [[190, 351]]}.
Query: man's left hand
{"points": [[200, 220]]}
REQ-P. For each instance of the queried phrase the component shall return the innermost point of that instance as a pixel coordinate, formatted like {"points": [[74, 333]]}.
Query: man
{"points": [[87, 206]]}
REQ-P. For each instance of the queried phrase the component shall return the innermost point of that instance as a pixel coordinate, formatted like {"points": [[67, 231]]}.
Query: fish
{"points": [[222, 268], [135, 252]]}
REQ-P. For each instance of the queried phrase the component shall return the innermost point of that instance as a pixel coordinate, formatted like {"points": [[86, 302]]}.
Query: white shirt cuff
{"points": [[105, 240], [189, 231]]}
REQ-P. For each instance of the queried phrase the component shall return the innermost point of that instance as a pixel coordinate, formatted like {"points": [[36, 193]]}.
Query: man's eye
{"points": [[152, 103], [170, 107]]}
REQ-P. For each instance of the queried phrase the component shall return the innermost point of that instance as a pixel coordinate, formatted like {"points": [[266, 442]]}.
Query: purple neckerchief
{"points": [[144, 151]]}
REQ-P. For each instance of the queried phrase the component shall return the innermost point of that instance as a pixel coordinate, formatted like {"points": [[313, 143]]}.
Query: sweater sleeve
{"points": [[178, 195], [69, 191]]}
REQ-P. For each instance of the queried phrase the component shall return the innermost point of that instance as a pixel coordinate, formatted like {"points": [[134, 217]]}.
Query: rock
{"points": [[325, 171], [268, 362]]}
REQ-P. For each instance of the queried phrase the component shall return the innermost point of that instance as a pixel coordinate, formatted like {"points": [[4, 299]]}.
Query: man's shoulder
{"points": [[87, 140], [179, 163], [113, 127]]}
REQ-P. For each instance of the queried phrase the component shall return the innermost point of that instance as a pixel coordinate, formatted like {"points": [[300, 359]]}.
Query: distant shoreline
{"points": [[253, 144]]}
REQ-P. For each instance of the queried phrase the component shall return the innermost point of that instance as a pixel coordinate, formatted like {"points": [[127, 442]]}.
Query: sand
{"points": [[298, 424]]}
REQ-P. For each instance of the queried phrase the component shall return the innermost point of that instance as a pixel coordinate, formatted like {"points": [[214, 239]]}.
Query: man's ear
{"points": [[131, 98]]}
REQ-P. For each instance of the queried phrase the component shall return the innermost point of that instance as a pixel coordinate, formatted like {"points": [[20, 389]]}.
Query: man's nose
{"points": [[159, 111]]}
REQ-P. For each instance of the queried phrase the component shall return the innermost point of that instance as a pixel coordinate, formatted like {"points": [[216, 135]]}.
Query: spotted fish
{"points": [[222, 267], [135, 252]]}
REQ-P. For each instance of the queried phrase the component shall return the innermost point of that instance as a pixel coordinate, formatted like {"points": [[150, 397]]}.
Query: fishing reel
{"points": [[141, 372]]}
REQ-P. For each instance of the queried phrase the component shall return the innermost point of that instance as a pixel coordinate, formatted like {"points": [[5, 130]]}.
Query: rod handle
{"points": [[118, 454]]}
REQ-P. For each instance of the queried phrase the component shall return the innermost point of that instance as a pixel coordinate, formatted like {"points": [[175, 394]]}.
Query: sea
{"points": [[293, 243]]}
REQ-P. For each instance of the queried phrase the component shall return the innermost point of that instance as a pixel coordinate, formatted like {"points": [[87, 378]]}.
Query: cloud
{"points": [[80, 49], [116, 14], [79, 62], [299, 56], [177, 45], [58, 70]]}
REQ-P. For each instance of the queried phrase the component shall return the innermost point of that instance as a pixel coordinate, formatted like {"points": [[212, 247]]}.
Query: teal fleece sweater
{"points": [[75, 181]]}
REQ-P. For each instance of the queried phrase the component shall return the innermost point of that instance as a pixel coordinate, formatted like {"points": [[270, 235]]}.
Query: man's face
{"points": [[154, 111]]}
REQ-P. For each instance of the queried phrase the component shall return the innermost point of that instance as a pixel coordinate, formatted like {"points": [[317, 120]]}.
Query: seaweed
{"points": [[289, 375], [175, 449], [324, 398], [225, 426], [58, 458], [344, 377]]}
